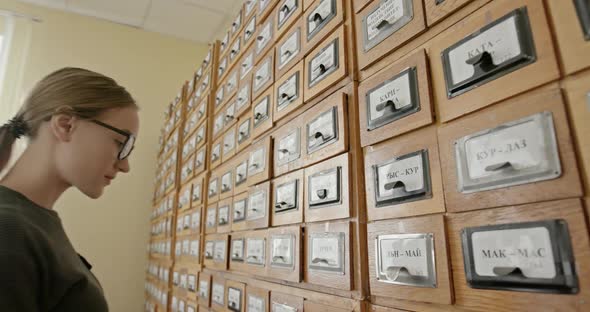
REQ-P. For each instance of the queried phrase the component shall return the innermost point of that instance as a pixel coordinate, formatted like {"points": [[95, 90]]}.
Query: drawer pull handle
{"points": [[500, 166], [281, 258], [394, 272], [318, 19], [241, 135], [282, 205], [229, 117], [383, 24], [322, 194], [207, 254], [286, 97], [319, 138], [214, 156], [482, 63], [254, 166], [321, 68], [248, 32], [508, 271], [222, 221], [321, 260], [258, 116], [260, 38], [225, 187], [253, 257], [395, 185], [258, 77], [205, 62], [384, 105], [286, 9], [199, 115], [284, 151], [287, 53], [199, 138]]}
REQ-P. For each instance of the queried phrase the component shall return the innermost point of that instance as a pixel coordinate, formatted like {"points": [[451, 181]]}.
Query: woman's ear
{"points": [[62, 126]]}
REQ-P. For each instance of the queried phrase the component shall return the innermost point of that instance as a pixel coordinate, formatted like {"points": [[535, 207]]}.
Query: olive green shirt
{"points": [[39, 268]]}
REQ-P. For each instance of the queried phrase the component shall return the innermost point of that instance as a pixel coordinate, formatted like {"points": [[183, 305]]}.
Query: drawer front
{"points": [[223, 66], [236, 293], [396, 100], [326, 65], [328, 255], [247, 64], [257, 299], [288, 92], [287, 198], [285, 302], [578, 101], [265, 7], [320, 19], [285, 14], [184, 197], [284, 248], [235, 52], [197, 193], [229, 118], [224, 45], [241, 173], [250, 9], [326, 129], [210, 224], [237, 252], [231, 84], [218, 294], [487, 270], [223, 215], [236, 26], [403, 177], [408, 258], [327, 190], [244, 133], [262, 110], [213, 188], [258, 208], [240, 206], [229, 144], [515, 152], [256, 252], [571, 22], [289, 49], [385, 25], [263, 76], [226, 184], [216, 150], [465, 79], [204, 290], [289, 145], [243, 97], [249, 32], [187, 170], [439, 9], [201, 135], [265, 39], [218, 124], [201, 160]]}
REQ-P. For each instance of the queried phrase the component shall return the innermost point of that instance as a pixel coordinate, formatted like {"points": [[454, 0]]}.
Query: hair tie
{"points": [[18, 127]]}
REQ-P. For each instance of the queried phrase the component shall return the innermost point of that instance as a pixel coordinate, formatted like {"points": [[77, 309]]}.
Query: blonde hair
{"points": [[69, 90]]}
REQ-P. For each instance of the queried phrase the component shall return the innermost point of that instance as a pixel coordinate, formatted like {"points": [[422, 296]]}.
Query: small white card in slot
{"points": [[237, 250], [261, 110], [288, 91], [282, 249], [289, 147], [322, 130], [386, 19], [257, 203], [218, 294], [286, 196], [220, 251], [240, 210], [323, 63], [257, 161], [320, 16], [290, 48], [255, 251], [223, 215]]}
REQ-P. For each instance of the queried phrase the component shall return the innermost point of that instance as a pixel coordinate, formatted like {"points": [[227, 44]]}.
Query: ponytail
{"points": [[6, 142]]}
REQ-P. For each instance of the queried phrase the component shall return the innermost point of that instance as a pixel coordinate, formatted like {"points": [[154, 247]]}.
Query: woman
{"points": [[81, 127]]}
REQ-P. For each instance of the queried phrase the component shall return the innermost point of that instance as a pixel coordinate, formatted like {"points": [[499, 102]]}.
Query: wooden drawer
{"points": [[265, 7], [289, 146], [239, 207], [262, 110], [326, 65], [226, 184], [322, 17], [284, 249], [285, 302], [213, 47], [287, 198], [213, 187], [211, 218], [236, 293], [218, 294], [201, 159], [197, 193], [189, 146], [230, 117], [288, 92], [265, 39], [257, 299], [195, 222], [327, 190], [201, 134], [255, 252], [244, 133], [240, 165], [231, 84], [531, 122], [224, 45], [558, 226], [437, 10], [263, 76], [205, 82], [216, 152], [328, 256], [417, 267], [289, 49], [326, 129], [285, 14], [204, 292], [577, 90], [403, 177], [223, 215], [260, 161], [217, 260], [187, 170], [249, 32], [396, 100], [218, 124], [257, 209], [236, 26], [310, 306], [184, 197], [460, 89], [571, 23], [377, 38], [247, 65], [244, 97], [229, 144], [237, 252], [250, 9], [223, 67], [358, 5]]}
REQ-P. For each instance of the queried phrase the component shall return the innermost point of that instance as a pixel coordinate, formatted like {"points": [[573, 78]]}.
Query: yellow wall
{"points": [[112, 232]]}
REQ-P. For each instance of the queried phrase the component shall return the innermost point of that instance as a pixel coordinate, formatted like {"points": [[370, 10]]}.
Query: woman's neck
{"points": [[34, 176]]}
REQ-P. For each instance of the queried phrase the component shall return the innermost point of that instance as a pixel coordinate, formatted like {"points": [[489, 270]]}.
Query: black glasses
{"points": [[127, 146]]}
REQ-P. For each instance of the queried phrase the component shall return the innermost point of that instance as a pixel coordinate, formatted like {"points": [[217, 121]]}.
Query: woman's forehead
{"points": [[126, 118]]}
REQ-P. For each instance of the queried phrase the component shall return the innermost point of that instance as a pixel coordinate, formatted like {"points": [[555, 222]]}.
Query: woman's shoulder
{"points": [[17, 231]]}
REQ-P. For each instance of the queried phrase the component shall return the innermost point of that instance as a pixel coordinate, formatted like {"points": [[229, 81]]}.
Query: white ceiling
{"points": [[195, 20]]}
